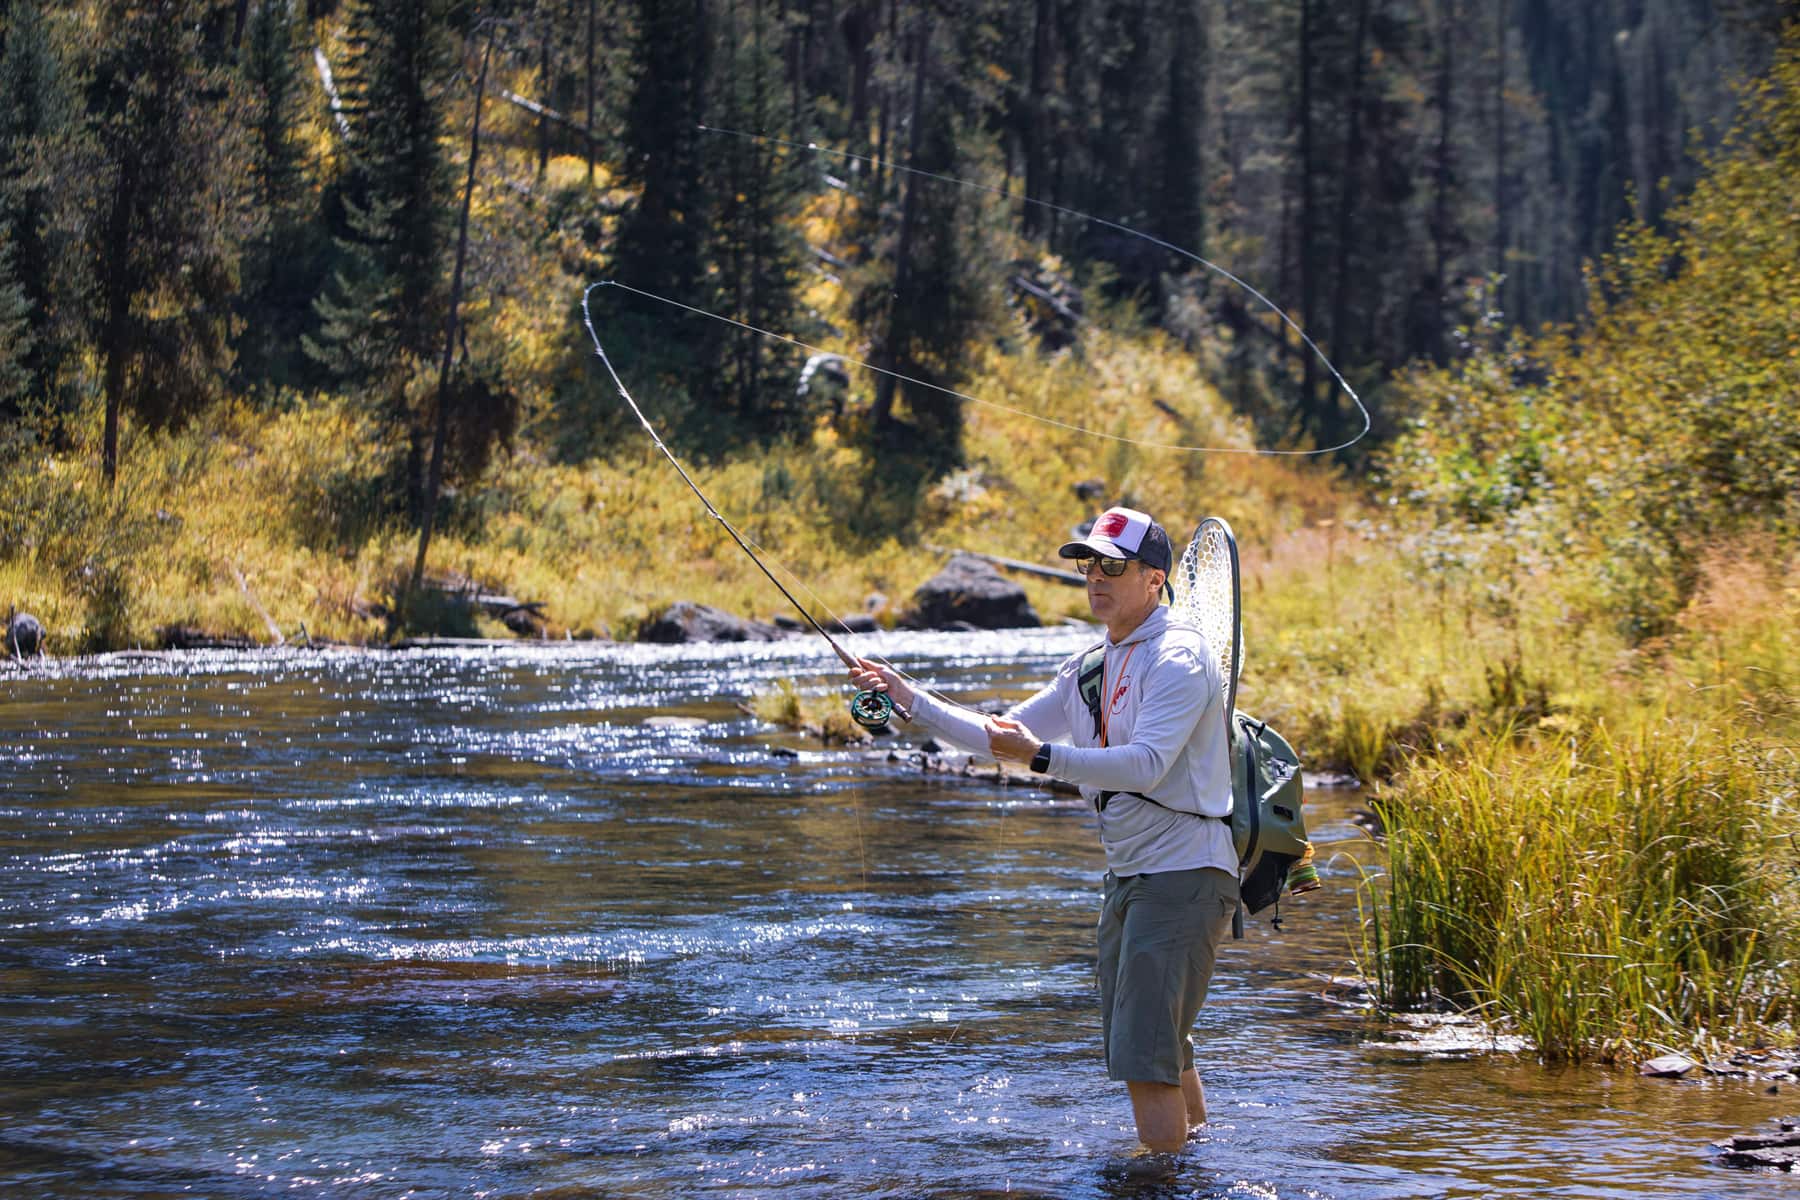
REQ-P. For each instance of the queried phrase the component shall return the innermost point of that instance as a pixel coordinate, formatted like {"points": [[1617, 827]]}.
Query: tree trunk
{"points": [[1442, 178], [590, 93], [546, 89], [752, 352], [883, 409], [887, 117], [1037, 122], [1501, 230], [799, 39], [1349, 193], [440, 435], [1309, 286], [858, 24], [118, 312], [1181, 202]]}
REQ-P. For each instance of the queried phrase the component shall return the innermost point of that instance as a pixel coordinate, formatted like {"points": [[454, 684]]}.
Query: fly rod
{"points": [[870, 709]]}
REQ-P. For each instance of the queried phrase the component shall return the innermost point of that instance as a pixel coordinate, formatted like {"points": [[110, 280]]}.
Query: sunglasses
{"points": [[1110, 567]]}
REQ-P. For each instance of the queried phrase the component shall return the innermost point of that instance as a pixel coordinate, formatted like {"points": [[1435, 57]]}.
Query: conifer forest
{"points": [[265, 200]]}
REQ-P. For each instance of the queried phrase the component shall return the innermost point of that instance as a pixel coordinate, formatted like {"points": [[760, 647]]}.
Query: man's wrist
{"points": [[1040, 762]]}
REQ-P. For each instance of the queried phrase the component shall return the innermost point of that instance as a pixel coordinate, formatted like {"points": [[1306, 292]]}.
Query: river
{"points": [[461, 923]]}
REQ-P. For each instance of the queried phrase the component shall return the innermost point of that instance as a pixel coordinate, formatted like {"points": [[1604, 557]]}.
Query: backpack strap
{"points": [[1106, 798], [1090, 680], [1252, 733]]}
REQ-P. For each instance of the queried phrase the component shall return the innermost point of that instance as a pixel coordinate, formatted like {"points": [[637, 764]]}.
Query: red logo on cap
{"points": [[1111, 525]]}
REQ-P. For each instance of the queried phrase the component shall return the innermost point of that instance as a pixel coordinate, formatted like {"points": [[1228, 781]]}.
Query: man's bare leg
{"points": [[1195, 1095], [1161, 1110]]}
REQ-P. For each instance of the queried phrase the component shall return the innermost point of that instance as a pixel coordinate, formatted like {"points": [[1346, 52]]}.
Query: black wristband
{"points": [[1040, 762]]}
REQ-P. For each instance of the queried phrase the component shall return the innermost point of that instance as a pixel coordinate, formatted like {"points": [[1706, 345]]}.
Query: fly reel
{"points": [[871, 709]]}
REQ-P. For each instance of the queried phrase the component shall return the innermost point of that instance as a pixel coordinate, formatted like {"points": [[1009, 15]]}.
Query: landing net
{"points": [[1208, 597]]}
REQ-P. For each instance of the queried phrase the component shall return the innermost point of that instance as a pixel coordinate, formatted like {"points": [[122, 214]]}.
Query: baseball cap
{"points": [[1124, 533]]}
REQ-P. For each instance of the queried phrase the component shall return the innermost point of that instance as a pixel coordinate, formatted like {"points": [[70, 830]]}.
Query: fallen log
{"points": [[250, 598], [539, 110], [1013, 564], [1049, 300], [441, 643]]}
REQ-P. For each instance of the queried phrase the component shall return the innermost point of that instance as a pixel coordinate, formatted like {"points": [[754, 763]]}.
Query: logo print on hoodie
{"points": [[1118, 700]]}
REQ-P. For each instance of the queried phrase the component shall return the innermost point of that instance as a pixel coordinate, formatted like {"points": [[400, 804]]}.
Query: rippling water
{"points": [[463, 924]]}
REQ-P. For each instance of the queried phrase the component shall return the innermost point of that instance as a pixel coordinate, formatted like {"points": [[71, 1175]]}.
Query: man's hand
{"points": [[1011, 741], [874, 677]]}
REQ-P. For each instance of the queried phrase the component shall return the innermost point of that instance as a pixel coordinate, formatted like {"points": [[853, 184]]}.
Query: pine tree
{"points": [[16, 344], [280, 267], [660, 245], [1179, 171], [932, 292], [751, 243], [37, 127], [448, 400], [382, 317], [162, 228], [1429, 315]]}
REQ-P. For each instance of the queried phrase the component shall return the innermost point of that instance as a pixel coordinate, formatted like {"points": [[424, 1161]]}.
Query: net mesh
{"points": [[1204, 595]]}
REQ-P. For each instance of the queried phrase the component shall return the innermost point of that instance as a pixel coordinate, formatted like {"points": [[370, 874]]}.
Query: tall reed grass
{"points": [[1605, 897]]}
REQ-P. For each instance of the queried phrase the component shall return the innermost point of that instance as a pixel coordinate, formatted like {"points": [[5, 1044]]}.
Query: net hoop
{"points": [[1209, 597]]}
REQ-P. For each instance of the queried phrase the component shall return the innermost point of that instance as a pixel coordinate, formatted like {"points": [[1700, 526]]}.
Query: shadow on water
{"points": [[458, 924]]}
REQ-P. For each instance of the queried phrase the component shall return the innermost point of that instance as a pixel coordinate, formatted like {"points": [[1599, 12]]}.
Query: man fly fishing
{"points": [[1153, 761]]}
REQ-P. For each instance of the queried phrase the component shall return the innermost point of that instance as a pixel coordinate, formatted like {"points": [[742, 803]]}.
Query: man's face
{"points": [[1133, 591]]}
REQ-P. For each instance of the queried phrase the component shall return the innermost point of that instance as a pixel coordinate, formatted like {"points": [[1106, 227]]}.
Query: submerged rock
{"points": [[970, 594], [685, 621], [1778, 1149], [932, 759]]}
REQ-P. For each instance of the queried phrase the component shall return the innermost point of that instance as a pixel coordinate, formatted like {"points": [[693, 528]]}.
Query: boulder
{"points": [[190, 637], [969, 593], [24, 636], [1668, 1066], [685, 621]]}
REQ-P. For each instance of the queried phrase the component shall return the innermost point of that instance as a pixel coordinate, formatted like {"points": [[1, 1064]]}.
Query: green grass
{"points": [[1607, 898], [827, 717]]}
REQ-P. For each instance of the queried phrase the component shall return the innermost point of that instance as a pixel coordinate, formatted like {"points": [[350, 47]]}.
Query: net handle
{"points": [[1233, 653]]}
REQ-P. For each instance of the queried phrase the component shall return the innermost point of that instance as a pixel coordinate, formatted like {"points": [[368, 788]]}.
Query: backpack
{"points": [[1267, 825], [1268, 828]]}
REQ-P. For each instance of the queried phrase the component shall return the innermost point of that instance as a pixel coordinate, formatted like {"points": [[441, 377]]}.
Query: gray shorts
{"points": [[1159, 935]]}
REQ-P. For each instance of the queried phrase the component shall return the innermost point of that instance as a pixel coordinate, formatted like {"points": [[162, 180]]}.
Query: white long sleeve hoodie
{"points": [[1165, 738]]}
